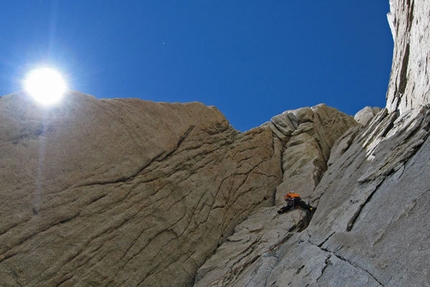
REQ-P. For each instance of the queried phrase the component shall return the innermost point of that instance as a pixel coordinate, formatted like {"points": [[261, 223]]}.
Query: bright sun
{"points": [[46, 85]]}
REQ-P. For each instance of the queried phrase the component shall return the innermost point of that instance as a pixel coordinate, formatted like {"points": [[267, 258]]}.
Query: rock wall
{"points": [[370, 227], [135, 193], [128, 192], [123, 192], [307, 134], [409, 85]]}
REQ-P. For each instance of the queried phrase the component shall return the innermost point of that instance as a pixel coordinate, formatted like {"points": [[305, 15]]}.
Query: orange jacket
{"points": [[291, 196]]}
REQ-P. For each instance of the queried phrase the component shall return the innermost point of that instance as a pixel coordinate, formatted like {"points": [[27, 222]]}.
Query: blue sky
{"points": [[251, 59]]}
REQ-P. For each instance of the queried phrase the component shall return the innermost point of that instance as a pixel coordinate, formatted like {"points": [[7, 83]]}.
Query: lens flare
{"points": [[46, 85]]}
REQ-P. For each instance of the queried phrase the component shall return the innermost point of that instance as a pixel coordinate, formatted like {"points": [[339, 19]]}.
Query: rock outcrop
{"points": [[307, 134], [127, 192], [364, 116], [123, 192]]}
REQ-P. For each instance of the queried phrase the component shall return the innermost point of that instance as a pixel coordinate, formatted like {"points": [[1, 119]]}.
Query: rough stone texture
{"points": [[134, 193], [262, 232], [409, 85], [370, 226], [364, 116], [123, 192], [308, 134], [128, 192]]}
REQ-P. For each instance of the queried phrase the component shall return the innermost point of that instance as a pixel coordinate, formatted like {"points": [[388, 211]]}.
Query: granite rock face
{"points": [[364, 116], [370, 227], [128, 192], [123, 192], [307, 134], [409, 85], [134, 193]]}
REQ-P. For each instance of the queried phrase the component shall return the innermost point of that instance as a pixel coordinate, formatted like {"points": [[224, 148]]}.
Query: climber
{"points": [[293, 199]]}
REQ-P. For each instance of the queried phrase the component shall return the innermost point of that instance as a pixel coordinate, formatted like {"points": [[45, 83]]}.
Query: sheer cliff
{"points": [[123, 192], [370, 228], [127, 192]]}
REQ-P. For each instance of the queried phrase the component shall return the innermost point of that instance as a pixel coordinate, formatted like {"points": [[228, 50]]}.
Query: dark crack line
{"points": [[87, 246], [158, 158], [325, 240], [327, 264], [354, 218], [344, 260], [9, 253], [358, 267], [65, 279], [180, 141]]}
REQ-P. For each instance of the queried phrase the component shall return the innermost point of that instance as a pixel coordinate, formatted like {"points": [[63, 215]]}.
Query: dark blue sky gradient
{"points": [[251, 59]]}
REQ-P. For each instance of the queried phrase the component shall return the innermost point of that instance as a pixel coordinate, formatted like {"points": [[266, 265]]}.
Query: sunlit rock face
{"points": [[130, 192], [123, 192], [364, 116], [409, 85]]}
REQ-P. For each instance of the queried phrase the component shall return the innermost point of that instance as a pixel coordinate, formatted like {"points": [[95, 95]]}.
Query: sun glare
{"points": [[46, 85]]}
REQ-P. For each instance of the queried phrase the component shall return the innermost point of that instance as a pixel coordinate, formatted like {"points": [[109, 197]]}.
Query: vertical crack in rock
{"points": [[403, 76], [324, 241], [327, 263], [410, 14], [351, 222]]}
